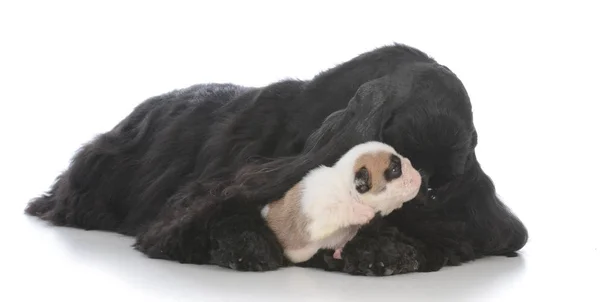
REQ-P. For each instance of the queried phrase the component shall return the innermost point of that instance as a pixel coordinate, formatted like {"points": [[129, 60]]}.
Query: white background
{"points": [[71, 70]]}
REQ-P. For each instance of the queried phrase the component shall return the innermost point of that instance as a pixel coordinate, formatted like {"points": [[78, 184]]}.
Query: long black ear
{"points": [[369, 110], [361, 121], [492, 223]]}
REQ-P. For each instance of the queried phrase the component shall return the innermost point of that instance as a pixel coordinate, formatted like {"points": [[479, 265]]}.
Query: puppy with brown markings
{"points": [[329, 205]]}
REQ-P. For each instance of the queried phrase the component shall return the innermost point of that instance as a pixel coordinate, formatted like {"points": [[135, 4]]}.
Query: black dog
{"points": [[187, 172]]}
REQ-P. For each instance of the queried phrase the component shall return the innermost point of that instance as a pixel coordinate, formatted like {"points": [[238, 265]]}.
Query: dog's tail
{"points": [[41, 206], [44, 204]]}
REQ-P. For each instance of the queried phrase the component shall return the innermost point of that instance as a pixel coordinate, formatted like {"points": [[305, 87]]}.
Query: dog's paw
{"points": [[246, 251], [379, 255], [250, 264], [245, 244]]}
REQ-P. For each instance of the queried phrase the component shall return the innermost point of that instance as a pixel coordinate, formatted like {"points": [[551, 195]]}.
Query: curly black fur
{"points": [[187, 172]]}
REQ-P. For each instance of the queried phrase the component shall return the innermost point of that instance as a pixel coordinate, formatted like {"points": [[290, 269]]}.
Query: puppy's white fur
{"points": [[333, 210]]}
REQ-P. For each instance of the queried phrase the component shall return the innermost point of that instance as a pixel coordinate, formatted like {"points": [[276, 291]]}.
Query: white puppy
{"points": [[329, 205]]}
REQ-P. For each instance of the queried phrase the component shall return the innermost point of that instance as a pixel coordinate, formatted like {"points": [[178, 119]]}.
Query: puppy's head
{"points": [[382, 178]]}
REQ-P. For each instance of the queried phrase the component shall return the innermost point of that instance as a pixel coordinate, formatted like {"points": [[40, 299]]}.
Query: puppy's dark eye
{"points": [[362, 189], [394, 170], [362, 180]]}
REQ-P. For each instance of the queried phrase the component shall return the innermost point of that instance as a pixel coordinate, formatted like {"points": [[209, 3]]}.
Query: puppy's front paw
{"points": [[361, 214]]}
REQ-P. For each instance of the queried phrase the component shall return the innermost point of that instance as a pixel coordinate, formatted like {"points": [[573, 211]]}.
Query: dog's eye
{"points": [[432, 193]]}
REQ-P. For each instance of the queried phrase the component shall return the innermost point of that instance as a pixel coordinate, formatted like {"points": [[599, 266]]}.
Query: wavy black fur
{"points": [[186, 172]]}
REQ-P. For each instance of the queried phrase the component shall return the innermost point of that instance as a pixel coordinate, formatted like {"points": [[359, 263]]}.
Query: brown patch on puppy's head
{"points": [[369, 171]]}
